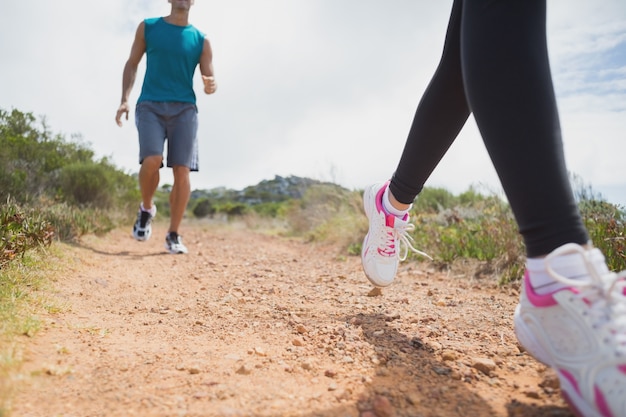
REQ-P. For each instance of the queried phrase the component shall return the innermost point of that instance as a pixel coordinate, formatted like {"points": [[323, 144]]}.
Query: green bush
{"points": [[31, 157], [21, 231], [329, 213], [271, 209], [433, 200], [87, 184], [36, 165], [605, 223], [232, 208], [70, 222], [203, 208]]}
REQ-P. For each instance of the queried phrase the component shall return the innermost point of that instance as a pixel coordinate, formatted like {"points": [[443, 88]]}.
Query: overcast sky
{"points": [[324, 89]]}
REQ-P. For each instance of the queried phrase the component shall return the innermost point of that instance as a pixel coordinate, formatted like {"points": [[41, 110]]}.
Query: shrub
{"points": [[87, 184], [203, 208], [70, 222], [329, 213], [21, 231], [605, 223], [482, 230], [232, 208], [432, 200], [271, 209]]}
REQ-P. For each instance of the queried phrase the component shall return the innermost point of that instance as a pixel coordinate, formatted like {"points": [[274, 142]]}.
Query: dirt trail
{"points": [[250, 325]]}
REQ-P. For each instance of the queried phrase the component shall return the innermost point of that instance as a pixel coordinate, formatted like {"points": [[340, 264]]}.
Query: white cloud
{"points": [[322, 88]]}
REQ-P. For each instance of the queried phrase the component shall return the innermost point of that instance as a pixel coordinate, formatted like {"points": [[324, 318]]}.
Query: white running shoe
{"points": [[174, 243], [580, 331], [387, 242], [142, 229]]}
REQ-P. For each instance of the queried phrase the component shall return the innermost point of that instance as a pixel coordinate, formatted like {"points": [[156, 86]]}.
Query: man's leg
{"points": [[149, 179], [179, 196], [151, 139]]}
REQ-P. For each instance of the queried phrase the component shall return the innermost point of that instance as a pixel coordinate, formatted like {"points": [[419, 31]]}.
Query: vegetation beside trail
{"points": [[52, 188]]}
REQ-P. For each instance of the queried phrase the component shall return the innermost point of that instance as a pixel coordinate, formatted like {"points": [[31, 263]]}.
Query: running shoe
{"points": [[142, 230], [174, 243], [387, 242], [580, 330]]}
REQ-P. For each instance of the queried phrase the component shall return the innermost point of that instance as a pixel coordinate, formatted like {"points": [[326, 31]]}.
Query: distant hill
{"points": [[274, 190]]}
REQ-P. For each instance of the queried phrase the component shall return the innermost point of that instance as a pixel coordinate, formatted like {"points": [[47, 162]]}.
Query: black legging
{"points": [[495, 65]]}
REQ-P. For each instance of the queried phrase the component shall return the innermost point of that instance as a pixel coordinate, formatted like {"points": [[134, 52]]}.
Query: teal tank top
{"points": [[173, 53]]}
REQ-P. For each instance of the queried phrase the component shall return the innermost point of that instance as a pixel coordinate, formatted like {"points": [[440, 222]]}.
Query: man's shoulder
{"points": [[152, 20], [194, 32], [195, 29]]}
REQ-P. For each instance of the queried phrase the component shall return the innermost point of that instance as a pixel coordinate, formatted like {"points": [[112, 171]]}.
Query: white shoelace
{"points": [[405, 242], [603, 292]]}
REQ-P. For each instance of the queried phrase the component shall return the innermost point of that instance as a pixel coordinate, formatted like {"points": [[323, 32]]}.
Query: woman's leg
{"points": [[509, 88], [440, 116]]}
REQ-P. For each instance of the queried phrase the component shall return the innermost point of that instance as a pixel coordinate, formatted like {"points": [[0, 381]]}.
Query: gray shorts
{"points": [[175, 122]]}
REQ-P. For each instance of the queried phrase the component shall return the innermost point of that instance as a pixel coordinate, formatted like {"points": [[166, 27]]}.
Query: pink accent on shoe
{"points": [[543, 300], [571, 404], [389, 250], [390, 220], [601, 403], [379, 198], [622, 369], [571, 379], [535, 299]]}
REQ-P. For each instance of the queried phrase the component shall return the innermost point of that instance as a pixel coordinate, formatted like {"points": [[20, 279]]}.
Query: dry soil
{"points": [[252, 325]]}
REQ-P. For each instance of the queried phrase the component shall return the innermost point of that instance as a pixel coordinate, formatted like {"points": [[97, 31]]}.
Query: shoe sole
{"points": [[146, 236], [175, 252], [141, 238], [568, 391]]}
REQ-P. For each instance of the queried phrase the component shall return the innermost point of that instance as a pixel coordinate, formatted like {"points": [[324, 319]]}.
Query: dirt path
{"points": [[253, 325]]}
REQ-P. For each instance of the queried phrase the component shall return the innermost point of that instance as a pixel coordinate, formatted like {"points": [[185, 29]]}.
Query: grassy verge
{"points": [[21, 285]]}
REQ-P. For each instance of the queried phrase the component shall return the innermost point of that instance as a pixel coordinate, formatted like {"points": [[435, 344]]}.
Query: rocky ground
{"points": [[251, 325]]}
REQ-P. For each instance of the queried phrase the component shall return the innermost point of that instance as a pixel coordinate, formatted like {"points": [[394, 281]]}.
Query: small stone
{"points": [[307, 365], [375, 292], [449, 355], [413, 399], [330, 373], [532, 393], [550, 381], [382, 407], [244, 370], [484, 365]]}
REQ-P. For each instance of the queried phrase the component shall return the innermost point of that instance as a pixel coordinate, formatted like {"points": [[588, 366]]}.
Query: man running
{"points": [[166, 110]]}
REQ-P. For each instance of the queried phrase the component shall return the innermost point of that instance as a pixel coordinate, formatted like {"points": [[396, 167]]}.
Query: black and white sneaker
{"points": [[142, 230], [174, 243]]}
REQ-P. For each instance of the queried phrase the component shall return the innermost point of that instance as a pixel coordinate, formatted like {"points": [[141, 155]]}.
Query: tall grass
{"points": [[455, 230], [329, 213], [25, 238], [20, 302]]}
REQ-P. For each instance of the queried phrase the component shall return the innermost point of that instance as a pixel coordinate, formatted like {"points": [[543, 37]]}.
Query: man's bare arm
{"points": [[130, 72], [206, 68]]}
